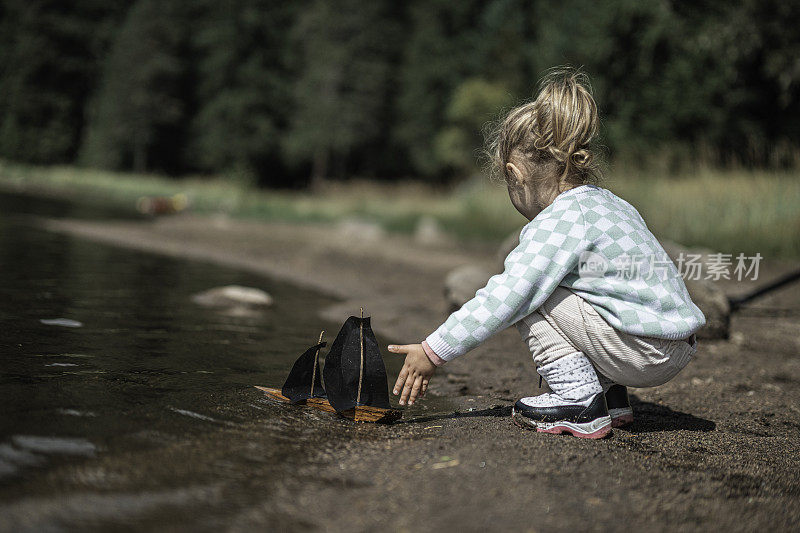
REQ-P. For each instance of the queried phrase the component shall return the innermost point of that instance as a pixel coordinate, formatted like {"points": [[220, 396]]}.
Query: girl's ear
{"points": [[513, 170]]}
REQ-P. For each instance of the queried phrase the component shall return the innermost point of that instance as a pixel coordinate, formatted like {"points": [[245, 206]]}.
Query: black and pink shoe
{"points": [[619, 406], [549, 413]]}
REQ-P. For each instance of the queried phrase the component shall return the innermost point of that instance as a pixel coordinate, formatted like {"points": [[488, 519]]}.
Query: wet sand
{"points": [[716, 448]]}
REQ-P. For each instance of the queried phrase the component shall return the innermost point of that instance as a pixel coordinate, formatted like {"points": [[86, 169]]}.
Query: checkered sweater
{"points": [[595, 244]]}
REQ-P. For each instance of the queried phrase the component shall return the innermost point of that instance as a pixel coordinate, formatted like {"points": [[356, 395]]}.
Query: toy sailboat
{"points": [[355, 377]]}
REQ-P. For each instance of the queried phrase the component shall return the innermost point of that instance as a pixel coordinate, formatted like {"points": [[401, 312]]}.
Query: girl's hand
{"points": [[415, 374]]}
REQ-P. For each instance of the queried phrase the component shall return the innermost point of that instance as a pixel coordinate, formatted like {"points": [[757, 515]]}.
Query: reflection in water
{"points": [[145, 414]]}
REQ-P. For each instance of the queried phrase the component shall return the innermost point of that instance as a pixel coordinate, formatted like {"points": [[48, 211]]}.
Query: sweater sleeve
{"points": [[550, 247]]}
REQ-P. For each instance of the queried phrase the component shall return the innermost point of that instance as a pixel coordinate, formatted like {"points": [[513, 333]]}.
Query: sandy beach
{"points": [[716, 448]]}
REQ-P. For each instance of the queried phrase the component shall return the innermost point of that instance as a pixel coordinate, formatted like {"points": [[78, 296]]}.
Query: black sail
{"points": [[298, 385], [343, 367]]}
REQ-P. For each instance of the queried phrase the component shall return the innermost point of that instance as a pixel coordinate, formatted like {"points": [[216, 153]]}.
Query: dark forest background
{"points": [[281, 92]]}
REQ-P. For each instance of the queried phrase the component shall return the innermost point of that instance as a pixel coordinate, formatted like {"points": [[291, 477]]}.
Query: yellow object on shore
{"points": [[160, 205]]}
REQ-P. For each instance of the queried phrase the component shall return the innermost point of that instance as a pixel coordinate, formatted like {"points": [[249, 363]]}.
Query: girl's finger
{"points": [[398, 348], [415, 390], [401, 379], [424, 388], [406, 389]]}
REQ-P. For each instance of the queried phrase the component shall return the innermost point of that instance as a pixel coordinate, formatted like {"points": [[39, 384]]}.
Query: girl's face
{"points": [[522, 192]]}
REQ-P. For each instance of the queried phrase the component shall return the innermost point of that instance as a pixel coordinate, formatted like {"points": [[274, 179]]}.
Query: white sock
{"points": [[572, 378]]}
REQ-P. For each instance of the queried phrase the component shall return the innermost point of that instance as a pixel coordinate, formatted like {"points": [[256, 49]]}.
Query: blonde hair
{"points": [[550, 138]]}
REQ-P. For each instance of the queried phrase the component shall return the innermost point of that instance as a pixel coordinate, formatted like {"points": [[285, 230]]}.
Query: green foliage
{"points": [[139, 111], [276, 90], [48, 65], [473, 103], [686, 78], [343, 81], [440, 52], [243, 87]]}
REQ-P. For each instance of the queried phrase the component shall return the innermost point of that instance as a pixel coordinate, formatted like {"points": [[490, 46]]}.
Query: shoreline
{"points": [[374, 272], [730, 210], [704, 451]]}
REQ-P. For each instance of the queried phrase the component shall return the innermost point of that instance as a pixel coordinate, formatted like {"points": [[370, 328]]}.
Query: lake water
{"points": [[123, 403]]}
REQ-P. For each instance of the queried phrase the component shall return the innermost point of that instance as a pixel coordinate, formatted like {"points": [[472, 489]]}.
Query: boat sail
{"points": [[305, 379], [354, 370], [355, 381], [304, 384]]}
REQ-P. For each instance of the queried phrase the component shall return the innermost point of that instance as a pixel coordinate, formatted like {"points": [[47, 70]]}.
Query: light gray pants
{"points": [[566, 324]]}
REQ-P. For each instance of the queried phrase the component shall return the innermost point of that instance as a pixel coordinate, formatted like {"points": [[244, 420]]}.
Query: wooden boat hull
{"points": [[367, 413], [361, 413]]}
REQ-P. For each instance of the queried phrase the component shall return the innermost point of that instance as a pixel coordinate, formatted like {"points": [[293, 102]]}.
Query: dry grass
{"points": [[722, 210], [725, 211]]}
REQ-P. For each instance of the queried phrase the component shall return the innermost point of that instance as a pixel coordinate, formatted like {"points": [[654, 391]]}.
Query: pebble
{"points": [[233, 295]]}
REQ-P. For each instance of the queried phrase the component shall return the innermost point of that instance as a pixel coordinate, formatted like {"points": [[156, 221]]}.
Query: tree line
{"points": [[282, 92]]}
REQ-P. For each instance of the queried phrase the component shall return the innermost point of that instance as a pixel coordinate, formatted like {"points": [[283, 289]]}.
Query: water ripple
{"points": [[63, 322]]}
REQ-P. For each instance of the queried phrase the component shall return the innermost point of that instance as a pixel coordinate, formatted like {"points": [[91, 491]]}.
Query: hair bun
{"points": [[582, 159], [557, 128]]}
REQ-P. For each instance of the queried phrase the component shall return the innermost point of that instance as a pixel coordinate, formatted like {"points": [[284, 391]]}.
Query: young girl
{"points": [[591, 290]]}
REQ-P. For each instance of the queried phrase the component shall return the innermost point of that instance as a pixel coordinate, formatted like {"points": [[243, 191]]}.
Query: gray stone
{"points": [[706, 295], [362, 230], [714, 305], [508, 245], [430, 232], [233, 296], [461, 284]]}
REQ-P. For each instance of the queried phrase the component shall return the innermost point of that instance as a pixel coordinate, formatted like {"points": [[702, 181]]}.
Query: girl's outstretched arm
{"points": [[550, 247], [415, 374]]}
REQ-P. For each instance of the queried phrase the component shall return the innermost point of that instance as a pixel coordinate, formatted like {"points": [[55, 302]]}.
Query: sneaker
{"points": [[619, 406], [549, 413]]}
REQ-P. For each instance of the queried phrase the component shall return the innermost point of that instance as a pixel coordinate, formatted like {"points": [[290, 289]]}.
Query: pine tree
{"points": [[345, 75], [442, 50], [49, 59], [137, 117], [244, 87]]}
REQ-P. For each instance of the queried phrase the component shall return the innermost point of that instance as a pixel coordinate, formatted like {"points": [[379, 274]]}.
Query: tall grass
{"points": [[727, 211], [731, 212]]}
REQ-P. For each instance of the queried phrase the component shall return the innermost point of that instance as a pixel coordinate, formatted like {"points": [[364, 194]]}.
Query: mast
{"points": [[354, 370], [361, 347], [316, 363]]}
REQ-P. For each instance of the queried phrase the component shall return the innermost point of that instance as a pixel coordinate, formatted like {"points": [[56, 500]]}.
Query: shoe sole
{"points": [[621, 417], [596, 429]]}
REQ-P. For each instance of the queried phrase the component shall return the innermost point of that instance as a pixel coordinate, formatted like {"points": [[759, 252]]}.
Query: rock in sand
{"points": [[360, 229], [233, 296], [430, 232], [461, 284]]}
